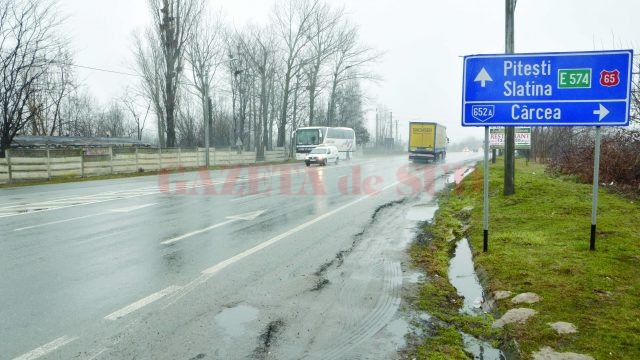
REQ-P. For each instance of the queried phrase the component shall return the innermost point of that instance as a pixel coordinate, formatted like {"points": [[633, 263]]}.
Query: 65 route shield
{"points": [[548, 89]]}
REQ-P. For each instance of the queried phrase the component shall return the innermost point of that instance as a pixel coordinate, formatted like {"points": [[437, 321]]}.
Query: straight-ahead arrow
{"points": [[483, 76], [602, 112], [244, 217]]}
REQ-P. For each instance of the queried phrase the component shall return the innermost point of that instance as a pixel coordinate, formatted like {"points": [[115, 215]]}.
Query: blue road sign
{"points": [[548, 89]]}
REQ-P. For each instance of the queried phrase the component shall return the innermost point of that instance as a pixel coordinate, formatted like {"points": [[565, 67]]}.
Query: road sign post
{"points": [[485, 241], [594, 201], [549, 89]]}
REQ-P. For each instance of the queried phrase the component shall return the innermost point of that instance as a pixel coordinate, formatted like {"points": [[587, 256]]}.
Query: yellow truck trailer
{"points": [[427, 141]]}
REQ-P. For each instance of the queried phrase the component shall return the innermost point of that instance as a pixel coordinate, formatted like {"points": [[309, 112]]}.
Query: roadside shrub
{"points": [[619, 159]]}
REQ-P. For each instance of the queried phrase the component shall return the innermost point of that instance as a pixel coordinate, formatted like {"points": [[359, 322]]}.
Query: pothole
{"points": [[232, 320], [398, 329]]}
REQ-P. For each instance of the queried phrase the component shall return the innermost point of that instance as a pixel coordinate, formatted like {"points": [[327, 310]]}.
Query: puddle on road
{"points": [[423, 212], [462, 276], [414, 278], [481, 350], [232, 320], [398, 329]]}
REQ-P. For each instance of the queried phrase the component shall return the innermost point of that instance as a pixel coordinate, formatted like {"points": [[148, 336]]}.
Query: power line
{"points": [[102, 70]]}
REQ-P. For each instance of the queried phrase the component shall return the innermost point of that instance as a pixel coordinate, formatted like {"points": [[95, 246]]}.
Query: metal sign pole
{"points": [[594, 203], [485, 246]]}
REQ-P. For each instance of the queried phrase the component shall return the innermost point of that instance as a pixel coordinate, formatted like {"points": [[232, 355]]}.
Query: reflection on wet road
{"points": [[289, 263]]}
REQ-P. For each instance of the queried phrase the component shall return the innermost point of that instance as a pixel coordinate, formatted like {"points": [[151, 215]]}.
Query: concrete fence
{"points": [[46, 164]]}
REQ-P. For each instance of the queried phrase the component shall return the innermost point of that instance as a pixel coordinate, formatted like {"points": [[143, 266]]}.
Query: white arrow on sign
{"points": [[245, 217], [483, 76], [602, 112]]}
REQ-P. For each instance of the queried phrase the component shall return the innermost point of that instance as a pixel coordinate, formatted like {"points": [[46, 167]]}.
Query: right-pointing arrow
{"points": [[602, 112]]}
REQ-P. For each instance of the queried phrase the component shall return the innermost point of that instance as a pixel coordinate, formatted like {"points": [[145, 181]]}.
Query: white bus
{"points": [[306, 139]]}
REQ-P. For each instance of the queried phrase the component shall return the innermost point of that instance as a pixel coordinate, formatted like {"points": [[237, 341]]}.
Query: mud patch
{"points": [[320, 284], [338, 260], [267, 339]]}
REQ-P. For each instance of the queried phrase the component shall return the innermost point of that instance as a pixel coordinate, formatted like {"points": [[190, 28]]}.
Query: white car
{"points": [[323, 155]]}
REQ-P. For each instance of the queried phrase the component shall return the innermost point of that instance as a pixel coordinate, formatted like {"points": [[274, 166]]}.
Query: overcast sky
{"points": [[422, 40]]}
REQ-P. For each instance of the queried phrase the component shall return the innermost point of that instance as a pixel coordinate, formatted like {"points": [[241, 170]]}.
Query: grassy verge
{"points": [[70, 179], [431, 253], [539, 242]]}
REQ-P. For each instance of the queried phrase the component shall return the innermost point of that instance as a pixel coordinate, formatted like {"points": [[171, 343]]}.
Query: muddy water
{"points": [[462, 276], [481, 350]]}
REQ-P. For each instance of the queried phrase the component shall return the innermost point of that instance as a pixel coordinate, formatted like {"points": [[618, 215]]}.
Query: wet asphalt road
{"points": [[135, 269]]}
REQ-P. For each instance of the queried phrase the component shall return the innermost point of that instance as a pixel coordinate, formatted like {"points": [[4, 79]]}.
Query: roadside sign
{"points": [[522, 138], [548, 89]]}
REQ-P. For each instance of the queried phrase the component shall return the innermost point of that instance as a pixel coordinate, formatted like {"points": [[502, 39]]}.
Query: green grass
{"points": [[539, 242], [436, 245]]}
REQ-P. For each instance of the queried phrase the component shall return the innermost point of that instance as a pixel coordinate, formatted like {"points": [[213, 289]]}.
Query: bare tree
{"points": [[204, 54], [259, 50], [325, 41], [349, 63], [635, 93], [293, 23], [28, 33], [112, 121], [150, 66], [80, 111], [174, 23], [56, 84], [130, 102]]}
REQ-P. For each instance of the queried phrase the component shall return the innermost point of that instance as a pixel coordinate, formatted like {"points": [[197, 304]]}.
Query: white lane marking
{"points": [[56, 222], [188, 235], [47, 348], [97, 354], [123, 210], [247, 217], [83, 200], [141, 303], [214, 269], [132, 208]]}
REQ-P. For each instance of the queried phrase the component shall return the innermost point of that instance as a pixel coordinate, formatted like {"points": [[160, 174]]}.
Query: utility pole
{"points": [[377, 129], [397, 133], [391, 124], [509, 131], [205, 103]]}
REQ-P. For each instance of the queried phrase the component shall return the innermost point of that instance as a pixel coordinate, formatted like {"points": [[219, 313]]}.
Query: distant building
{"points": [[34, 142]]}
